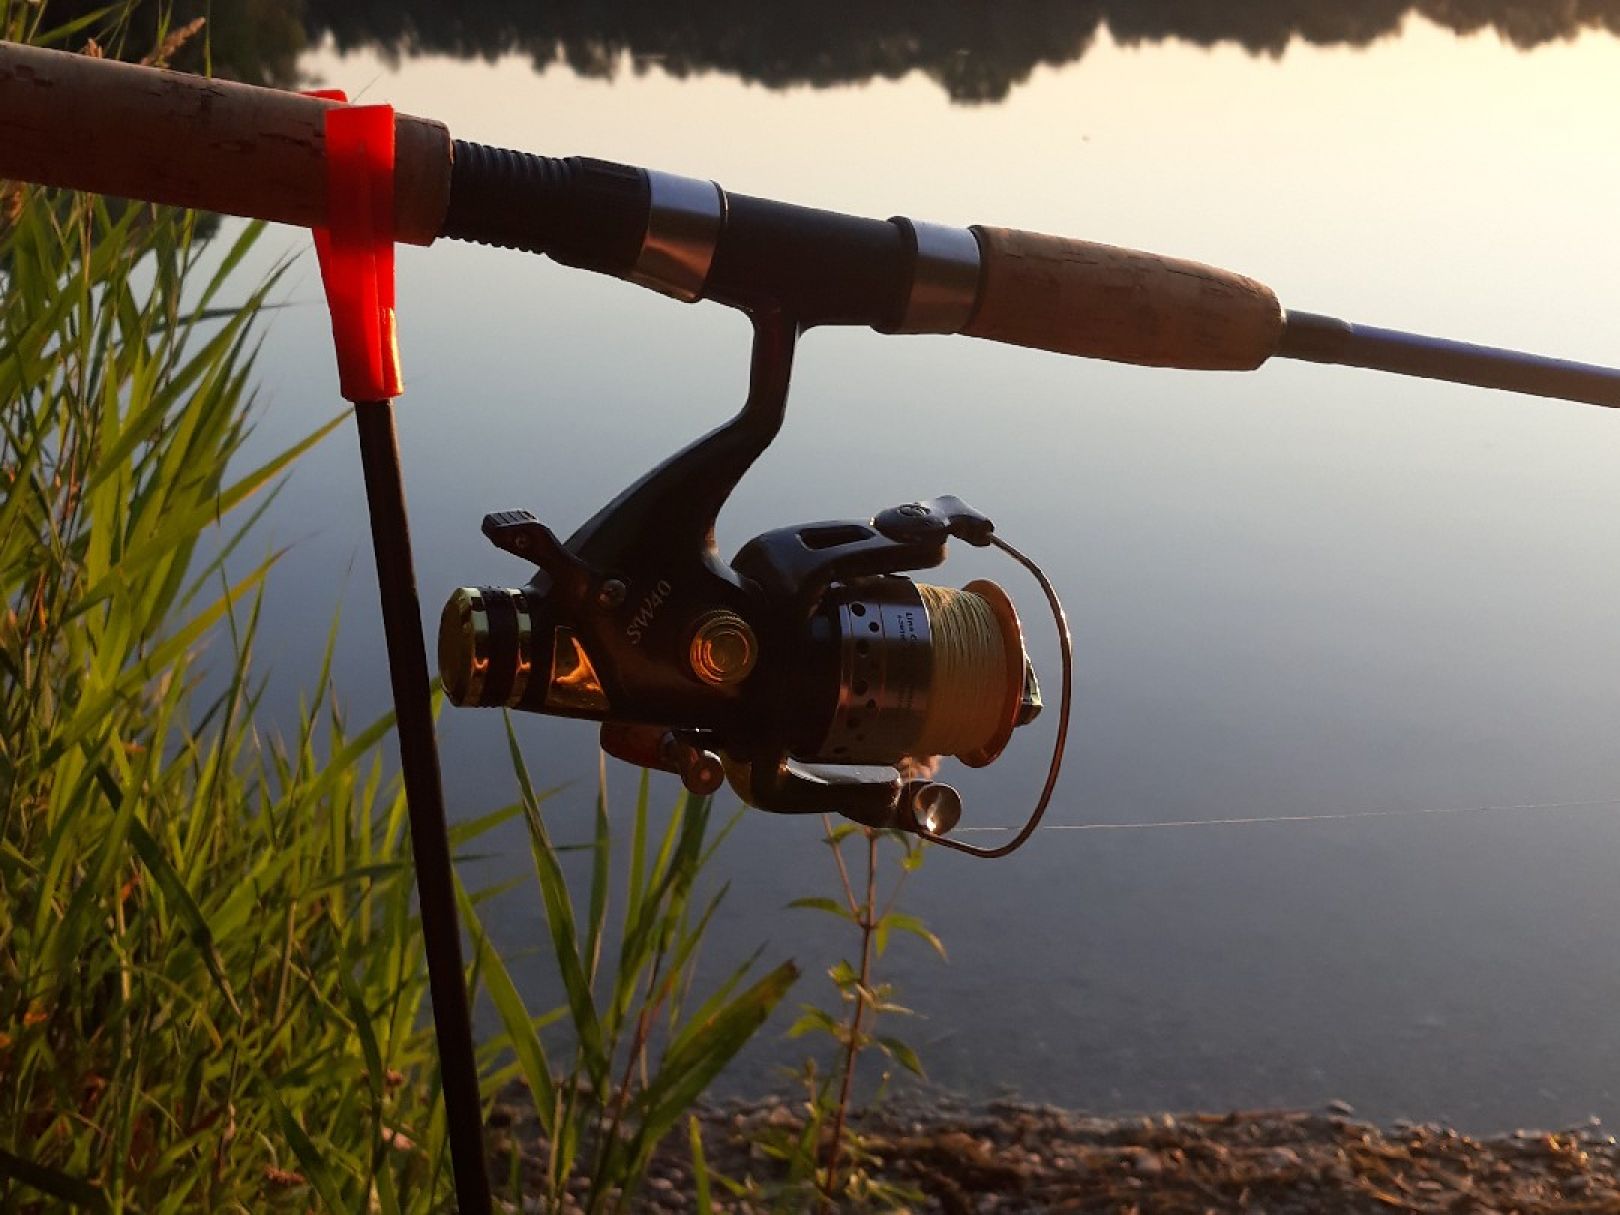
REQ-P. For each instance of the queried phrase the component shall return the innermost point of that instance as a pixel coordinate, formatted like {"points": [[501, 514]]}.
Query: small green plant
{"points": [[824, 1154], [641, 1051]]}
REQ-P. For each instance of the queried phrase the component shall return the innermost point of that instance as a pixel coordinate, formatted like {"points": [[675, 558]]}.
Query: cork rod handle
{"points": [[1075, 297], [109, 127]]}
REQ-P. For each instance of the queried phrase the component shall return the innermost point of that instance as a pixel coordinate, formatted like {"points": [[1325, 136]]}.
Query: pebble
{"points": [[1338, 1106], [1282, 1159]]}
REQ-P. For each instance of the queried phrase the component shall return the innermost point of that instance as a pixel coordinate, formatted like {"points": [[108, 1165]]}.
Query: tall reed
{"points": [[210, 986]]}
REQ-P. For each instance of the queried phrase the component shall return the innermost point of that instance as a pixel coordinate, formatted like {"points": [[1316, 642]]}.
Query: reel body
{"points": [[811, 670]]}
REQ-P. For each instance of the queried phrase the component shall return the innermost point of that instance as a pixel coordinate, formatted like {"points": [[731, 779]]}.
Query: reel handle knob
{"points": [[664, 750], [700, 770]]}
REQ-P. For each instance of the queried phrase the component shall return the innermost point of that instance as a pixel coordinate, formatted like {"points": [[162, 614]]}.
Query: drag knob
{"points": [[723, 649]]}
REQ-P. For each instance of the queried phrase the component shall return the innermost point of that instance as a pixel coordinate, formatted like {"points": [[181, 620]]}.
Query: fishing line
{"points": [[971, 669], [1259, 820]]}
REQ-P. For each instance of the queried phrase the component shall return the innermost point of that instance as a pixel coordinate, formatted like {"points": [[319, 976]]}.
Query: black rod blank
{"points": [[1326, 339], [424, 799]]}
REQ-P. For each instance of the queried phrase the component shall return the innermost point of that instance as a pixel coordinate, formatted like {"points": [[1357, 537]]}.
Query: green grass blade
{"points": [[92, 714], [177, 525], [470, 829], [520, 1028], [309, 1159], [74, 1191], [202, 939], [67, 29], [599, 876], [560, 920], [684, 1075], [703, 1200]]}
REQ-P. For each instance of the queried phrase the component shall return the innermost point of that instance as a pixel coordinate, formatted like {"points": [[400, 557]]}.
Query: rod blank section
{"points": [[424, 800], [159, 136], [1075, 297], [1326, 339]]}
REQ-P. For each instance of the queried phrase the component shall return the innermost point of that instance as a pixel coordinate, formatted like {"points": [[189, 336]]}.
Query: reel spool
{"points": [[810, 671], [922, 671]]}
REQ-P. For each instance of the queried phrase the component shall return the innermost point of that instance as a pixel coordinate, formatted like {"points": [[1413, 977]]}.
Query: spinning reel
{"points": [[810, 672]]}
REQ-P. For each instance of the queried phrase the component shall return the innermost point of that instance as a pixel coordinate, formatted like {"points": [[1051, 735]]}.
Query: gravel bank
{"points": [[1010, 1157]]}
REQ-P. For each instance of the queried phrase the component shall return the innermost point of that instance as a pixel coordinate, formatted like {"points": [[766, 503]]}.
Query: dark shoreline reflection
{"points": [[976, 50]]}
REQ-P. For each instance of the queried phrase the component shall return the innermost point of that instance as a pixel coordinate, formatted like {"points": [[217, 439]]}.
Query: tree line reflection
{"points": [[976, 50]]}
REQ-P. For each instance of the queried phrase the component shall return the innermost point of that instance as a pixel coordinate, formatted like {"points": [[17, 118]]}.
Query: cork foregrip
{"points": [[1075, 297], [158, 136]]}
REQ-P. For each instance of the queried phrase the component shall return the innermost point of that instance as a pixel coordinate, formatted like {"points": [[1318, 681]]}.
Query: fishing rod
{"points": [[166, 137], [810, 671]]}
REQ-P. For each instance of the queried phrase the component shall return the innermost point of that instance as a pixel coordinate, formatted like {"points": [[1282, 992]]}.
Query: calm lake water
{"points": [[1299, 592]]}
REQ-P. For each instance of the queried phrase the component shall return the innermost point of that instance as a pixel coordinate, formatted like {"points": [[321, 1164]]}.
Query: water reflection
{"points": [[976, 50]]}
